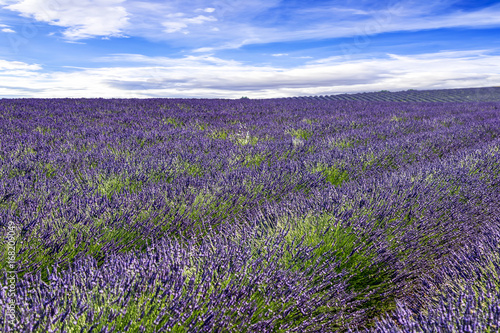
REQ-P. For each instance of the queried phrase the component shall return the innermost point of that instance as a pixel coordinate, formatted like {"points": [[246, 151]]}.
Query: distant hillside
{"points": [[491, 94]]}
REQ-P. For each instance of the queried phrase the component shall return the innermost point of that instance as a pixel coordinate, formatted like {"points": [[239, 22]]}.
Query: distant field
{"points": [[281, 215], [490, 94]]}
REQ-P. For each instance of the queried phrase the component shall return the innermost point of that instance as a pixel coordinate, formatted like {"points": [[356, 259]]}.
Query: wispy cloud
{"points": [[178, 22], [235, 23], [82, 19], [6, 28], [315, 26], [206, 10]]}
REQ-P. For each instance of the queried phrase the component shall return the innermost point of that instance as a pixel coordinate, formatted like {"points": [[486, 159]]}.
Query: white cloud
{"points": [[6, 28], [172, 27], [279, 54], [203, 49], [211, 77], [206, 10], [17, 65], [82, 19], [177, 22]]}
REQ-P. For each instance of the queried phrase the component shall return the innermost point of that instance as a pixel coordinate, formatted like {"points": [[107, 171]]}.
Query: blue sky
{"points": [[253, 48]]}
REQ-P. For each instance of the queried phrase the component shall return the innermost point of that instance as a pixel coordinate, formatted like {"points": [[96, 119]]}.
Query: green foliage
{"points": [[43, 130], [200, 126], [17, 172], [344, 143], [311, 150], [301, 133], [109, 186], [398, 119], [327, 236], [245, 140], [143, 142], [173, 121], [158, 176], [336, 176], [29, 151], [208, 205], [353, 124], [309, 121], [50, 170], [333, 175], [193, 169], [254, 160], [219, 134], [184, 106], [87, 147]]}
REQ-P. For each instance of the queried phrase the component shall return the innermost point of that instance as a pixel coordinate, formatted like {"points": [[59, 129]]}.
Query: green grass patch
{"points": [[343, 143], [49, 170], [310, 121], [219, 134], [200, 126], [334, 175], [193, 169], [301, 133], [159, 176], [399, 119], [173, 121], [117, 184], [254, 160], [244, 139], [327, 236], [43, 130], [18, 172]]}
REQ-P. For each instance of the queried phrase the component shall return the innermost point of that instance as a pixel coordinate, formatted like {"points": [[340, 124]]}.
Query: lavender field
{"points": [[277, 215], [485, 94]]}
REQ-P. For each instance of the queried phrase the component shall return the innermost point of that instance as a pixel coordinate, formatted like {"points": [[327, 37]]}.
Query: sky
{"points": [[251, 48]]}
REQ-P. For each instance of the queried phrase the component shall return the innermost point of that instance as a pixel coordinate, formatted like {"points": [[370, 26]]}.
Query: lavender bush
{"points": [[287, 215]]}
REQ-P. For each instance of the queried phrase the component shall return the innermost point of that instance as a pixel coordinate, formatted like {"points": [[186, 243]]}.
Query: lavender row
{"points": [[487, 94]]}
